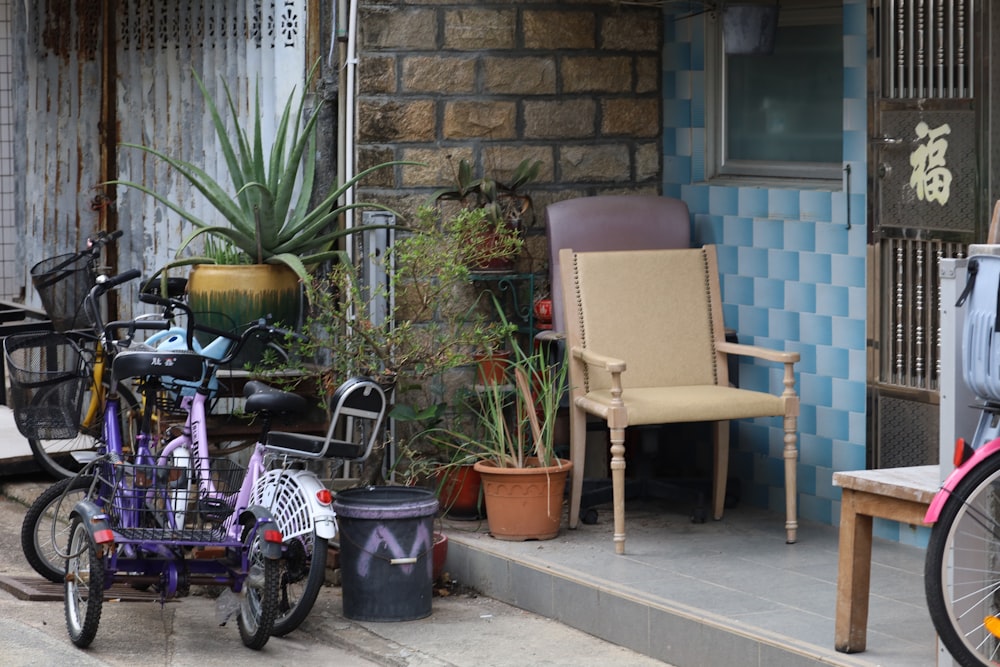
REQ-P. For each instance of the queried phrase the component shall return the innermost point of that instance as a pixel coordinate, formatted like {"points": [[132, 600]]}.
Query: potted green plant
{"points": [[513, 446], [448, 468], [424, 322], [268, 219], [507, 209]]}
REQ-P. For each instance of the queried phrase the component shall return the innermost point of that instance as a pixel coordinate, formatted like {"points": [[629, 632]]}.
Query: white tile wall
{"points": [[8, 270]]}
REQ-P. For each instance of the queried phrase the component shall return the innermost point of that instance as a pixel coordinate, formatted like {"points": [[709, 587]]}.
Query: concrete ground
{"points": [[463, 630]]}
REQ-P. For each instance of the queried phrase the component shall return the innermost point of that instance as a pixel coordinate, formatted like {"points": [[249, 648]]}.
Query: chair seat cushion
{"points": [[666, 405]]}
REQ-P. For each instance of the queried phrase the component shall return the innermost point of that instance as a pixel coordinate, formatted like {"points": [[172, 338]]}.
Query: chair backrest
{"points": [[657, 310], [612, 222]]}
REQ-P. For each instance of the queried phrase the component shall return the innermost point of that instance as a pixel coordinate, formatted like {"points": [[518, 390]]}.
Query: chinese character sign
{"points": [[931, 178]]}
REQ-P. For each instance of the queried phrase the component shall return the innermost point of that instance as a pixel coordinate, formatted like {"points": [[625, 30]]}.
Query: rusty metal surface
{"points": [[154, 50]]}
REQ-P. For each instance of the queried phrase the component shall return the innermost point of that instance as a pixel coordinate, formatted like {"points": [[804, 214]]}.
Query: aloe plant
{"points": [[264, 218]]}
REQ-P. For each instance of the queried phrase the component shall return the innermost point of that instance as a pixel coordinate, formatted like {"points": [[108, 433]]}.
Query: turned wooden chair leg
{"points": [[791, 480]]}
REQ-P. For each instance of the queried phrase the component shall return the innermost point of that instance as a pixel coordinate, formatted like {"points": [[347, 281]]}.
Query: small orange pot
{"points": [[492, 367]]}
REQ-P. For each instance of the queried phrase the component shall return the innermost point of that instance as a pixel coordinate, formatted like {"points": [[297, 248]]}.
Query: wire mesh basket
{"points": [[62, 282], [167, 503], [48, 377]]}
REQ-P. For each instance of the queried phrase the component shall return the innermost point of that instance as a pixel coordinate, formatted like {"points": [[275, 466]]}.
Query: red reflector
{"points": [[324, 497], [961, 452], [104, 536], [272, 536]]}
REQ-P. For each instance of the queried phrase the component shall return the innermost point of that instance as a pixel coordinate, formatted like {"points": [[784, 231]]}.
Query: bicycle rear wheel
{"points": [[962, 568], [259, 602], [66, 457], [45, 529], [302, 577]]}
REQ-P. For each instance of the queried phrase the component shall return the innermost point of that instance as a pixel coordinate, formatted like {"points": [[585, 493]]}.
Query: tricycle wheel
{"points": [[84, 589], [259, 602]]}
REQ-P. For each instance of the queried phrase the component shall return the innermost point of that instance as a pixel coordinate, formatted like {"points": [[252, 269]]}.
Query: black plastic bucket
{"points": [[386, 544]]}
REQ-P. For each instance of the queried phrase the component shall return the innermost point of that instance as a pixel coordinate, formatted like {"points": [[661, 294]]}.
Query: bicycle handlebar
{"points": [[237, 341]]}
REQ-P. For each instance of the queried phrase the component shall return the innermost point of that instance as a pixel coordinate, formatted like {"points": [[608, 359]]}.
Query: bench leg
{"points": [[853, 576]]}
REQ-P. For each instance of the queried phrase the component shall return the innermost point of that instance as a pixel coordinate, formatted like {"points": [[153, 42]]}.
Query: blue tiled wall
{"points": [[793, 277]]}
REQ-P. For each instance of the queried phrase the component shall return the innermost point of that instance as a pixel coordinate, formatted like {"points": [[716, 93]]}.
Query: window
{"points": [[781, 115]]}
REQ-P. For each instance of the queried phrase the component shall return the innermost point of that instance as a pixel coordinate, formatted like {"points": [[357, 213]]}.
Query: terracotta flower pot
{"points": [[459, 491], [491, 368], [439, 554], [524, 503]]}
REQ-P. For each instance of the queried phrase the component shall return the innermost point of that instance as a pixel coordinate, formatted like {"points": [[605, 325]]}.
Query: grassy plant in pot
{"points": [[451, 470], [267, 223], [523, 479]]}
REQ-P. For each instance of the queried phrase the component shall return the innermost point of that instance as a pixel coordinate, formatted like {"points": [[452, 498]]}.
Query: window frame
{"points": [[718, 167]]}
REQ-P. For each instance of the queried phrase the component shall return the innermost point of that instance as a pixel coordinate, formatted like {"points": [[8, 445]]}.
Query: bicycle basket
{"points": [[62, 282], [167, 502], [47, 376]]}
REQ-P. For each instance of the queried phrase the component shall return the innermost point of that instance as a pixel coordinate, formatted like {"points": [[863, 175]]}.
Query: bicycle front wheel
{"points": [[65, 458], [84, 588], [962, 568]]}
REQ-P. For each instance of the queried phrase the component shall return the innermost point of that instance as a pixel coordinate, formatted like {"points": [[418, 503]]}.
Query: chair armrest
{"points": [[610, 364], [758, 352]]}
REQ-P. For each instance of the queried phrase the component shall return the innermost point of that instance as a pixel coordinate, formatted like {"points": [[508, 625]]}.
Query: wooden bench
{"points": [[899, 494]]}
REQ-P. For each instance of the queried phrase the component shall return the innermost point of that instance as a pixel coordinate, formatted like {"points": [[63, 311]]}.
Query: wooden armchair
{"points": [[658, 313]]}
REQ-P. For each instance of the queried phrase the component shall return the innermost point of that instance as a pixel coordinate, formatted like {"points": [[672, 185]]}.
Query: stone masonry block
{"points": [[647, 74], [394, 28], [500, 160], [439, 74], [383, 121], [600, 163], [636, 117], [377, 75], [558, 29], [519, 76], [381, 178], [631, 31], [437, 165], [647, 162], [563, 119], [594, 74], [480, 28], [490, 119]]}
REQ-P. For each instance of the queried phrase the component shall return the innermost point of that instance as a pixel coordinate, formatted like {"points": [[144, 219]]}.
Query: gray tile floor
{"points": [[728, 592]]}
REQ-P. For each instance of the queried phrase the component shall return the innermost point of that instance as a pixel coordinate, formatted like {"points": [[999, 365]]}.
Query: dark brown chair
{"points": [[612, 222]]}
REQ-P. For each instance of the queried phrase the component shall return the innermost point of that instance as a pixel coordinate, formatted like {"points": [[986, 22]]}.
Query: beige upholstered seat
{"points": [[646, 345]]}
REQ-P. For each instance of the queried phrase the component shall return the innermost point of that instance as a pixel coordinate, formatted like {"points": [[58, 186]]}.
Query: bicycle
{"points": [[300, 503], [127, 529], [62, 447], [962, 567], [46, 523]]}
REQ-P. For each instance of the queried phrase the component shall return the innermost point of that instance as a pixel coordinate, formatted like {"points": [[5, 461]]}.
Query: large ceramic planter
{"points": [[524, 503], [231, 296]]}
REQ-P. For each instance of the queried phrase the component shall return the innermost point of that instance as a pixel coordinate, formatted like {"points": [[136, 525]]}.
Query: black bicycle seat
{"points": [[265, 398]]}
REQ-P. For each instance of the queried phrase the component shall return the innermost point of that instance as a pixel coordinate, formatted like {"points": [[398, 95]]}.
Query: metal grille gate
{"points": [[923, 88]]}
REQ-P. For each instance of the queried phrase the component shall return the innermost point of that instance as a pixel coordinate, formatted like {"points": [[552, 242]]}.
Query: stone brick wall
{"points": [[576, 84]]}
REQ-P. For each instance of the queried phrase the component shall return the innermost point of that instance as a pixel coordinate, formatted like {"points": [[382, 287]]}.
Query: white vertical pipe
{"points": [[352, 64]]}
